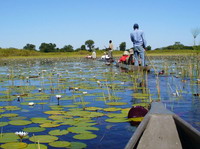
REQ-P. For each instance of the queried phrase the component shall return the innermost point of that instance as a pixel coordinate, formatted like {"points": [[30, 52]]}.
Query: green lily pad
{"points": [[40, 120], [54, 112], [49, 125], [12, 108], [60, 144], [14, 145], [85, 136], [8, 137], [116, 120], [58, 132], [36, 146], [136, 119], [77, 145], [112, 109], [116, 103], [17, 118], [9, 115], [78, 113], [69, 122], [34, 129], [81, 129], [93, 108], [1, 110], [19, 122], [3, 124], [116, 115], [43, 138], [81, 103], [95, 114]]}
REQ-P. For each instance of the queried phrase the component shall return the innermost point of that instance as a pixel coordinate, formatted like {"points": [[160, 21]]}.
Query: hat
{"points": [[131, 51], [126, 53]]}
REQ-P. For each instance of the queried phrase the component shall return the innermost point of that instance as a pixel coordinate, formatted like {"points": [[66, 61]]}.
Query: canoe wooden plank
{"points": [[160, 133]]}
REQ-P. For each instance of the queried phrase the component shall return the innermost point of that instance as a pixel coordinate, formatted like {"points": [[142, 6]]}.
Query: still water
{"points": [[84, 84]]}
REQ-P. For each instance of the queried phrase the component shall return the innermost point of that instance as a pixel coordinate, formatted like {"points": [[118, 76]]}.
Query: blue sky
{"points": [[73, 22]]}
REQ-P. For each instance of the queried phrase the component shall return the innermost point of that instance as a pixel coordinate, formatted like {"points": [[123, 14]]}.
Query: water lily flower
{"points": [[94, 76], [122, 83], [76, 88], [84, 92], [44, 70], [39, 89], [21, 134], [58, 96], [18, 98], [179, 73], [31, 103], [98, 82]]}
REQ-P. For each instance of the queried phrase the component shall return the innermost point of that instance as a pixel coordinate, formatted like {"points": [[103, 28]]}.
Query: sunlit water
{"points": [[80, 72]]}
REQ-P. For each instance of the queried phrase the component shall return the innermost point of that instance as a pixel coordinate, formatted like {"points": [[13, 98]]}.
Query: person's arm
{"points": [[144, 40], [132, 38]]}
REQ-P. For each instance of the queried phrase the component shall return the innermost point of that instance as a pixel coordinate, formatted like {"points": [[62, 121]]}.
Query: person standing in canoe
{"points": [[110, 49], [139, 44]]}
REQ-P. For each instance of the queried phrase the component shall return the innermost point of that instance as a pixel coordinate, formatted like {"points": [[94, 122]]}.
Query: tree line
{"points": [[89, 46], [179, 46]]}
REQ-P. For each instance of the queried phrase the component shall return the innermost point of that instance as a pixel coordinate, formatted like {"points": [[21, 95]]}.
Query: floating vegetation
{"points": [[43, 138], [87, 100]]}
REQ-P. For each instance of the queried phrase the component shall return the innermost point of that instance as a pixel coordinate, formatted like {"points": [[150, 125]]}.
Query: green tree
{"points": [[29, 47], [83, 47], [90, 44], [148, 48], [122, 46], [48, 47], [67, 48]]}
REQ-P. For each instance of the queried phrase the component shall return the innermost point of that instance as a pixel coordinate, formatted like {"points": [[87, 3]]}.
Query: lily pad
{"points": [[52, 124], [60, 144], [9, 115], [84, 136], [34, 129], [136, 119], [8, 137], [54, 112], [43, 138], [58, 132], [36, 146], [116, 103], [14, 145], [81, 129], [3, 124], [93, 108], [112, 109], [19, 122], [40, 120], [116, 120], [12, 108], [77, 145]]}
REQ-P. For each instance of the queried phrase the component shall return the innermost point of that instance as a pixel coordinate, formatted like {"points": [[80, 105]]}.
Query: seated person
{"points": [[94, 55], [105, 56], [88, 56], [131, 58], [124, 58]]}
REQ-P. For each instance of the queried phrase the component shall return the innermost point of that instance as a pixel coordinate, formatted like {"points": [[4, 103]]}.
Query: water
{"points": [[55, 76]]}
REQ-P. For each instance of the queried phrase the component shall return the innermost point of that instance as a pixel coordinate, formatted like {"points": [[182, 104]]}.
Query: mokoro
{"points": [[133, 68], [162, 128]]}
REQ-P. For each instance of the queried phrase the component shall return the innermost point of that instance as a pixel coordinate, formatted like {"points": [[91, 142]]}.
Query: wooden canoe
{"points": [[162, 128], [133, 68]]}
